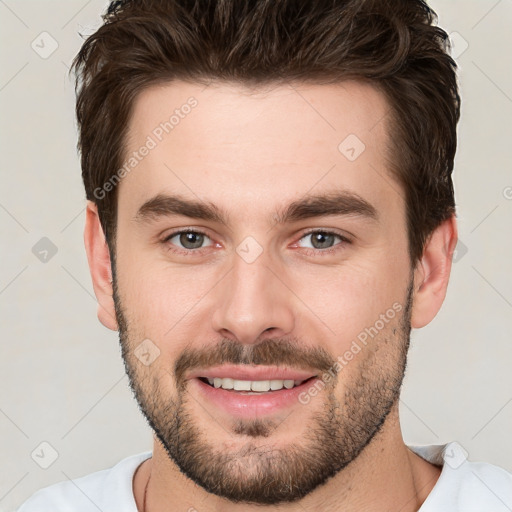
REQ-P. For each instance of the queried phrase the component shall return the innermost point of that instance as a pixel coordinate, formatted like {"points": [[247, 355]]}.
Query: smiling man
{"points": [[270, 211]]}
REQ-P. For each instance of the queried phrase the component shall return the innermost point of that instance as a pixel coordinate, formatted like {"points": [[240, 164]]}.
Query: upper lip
{"points": [[246, 372]]}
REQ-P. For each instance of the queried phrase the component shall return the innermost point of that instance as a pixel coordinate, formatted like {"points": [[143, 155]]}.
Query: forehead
{"points": [[257, 148]]}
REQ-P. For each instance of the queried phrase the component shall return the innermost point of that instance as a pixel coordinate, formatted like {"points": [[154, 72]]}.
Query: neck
{"points": [[386, 475]]}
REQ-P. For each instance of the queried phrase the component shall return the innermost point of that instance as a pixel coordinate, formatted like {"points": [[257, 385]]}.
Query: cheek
{"points": [[163, 303], [357, 307], [350, 297]]}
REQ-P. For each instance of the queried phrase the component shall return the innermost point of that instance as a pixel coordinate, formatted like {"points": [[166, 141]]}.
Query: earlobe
{"points": [[432, 273], [98, 257]]}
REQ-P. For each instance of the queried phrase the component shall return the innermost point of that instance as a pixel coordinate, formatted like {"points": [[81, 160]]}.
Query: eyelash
{"points": [[309, 251]]}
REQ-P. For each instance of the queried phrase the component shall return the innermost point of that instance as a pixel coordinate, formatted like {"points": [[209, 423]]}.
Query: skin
{"points": [[250, 154]]}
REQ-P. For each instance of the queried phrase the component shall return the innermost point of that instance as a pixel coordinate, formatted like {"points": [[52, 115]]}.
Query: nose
{"points": [[253, 302]]}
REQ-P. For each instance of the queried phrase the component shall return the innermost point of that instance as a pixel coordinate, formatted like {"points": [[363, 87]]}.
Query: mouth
{"points": [[250, 391], [253, 387]]}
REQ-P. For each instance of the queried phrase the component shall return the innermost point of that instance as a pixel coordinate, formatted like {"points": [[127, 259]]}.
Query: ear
{"points": [[98, 257], [432, 273]]}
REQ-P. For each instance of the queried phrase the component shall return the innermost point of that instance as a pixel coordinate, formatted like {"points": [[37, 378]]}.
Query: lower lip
{"points": [[249, 406]]}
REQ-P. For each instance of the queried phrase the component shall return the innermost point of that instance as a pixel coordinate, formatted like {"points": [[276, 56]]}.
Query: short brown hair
{"points": [[393, 44]]}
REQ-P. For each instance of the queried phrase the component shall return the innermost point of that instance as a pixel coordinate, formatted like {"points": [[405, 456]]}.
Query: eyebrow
{"points": [[341, 203]]}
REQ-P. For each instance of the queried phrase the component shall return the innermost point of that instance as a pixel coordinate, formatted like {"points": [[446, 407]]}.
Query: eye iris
{"points": [[194, 239], [323, 239]]}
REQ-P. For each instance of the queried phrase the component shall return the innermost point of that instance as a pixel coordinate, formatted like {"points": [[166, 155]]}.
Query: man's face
{"points": [[252, 294]]}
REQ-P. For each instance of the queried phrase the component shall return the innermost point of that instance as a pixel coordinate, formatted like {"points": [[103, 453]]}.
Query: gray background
{"points": [[62, 377]]}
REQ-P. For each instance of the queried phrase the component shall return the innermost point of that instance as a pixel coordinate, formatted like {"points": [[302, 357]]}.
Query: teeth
{"points": [[241, 385], [276, 384], [288, 384], [261, 386], [227, 383]]}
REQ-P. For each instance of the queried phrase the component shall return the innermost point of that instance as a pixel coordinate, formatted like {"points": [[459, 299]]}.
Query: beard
{"points": [[261, 473]]}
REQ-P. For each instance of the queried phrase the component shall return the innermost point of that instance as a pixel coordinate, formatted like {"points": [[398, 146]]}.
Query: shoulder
{"points": [[484, 486], [465, 486], [109, 490]]}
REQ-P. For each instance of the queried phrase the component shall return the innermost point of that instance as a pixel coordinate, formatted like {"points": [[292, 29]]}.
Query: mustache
{"points": [[269, 352]]}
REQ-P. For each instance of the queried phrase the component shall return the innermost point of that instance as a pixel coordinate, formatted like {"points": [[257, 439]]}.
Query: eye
{"points": [[187, 240], [324, 241], [191, 241]]}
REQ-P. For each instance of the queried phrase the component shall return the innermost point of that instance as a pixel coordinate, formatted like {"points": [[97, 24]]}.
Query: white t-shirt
{"points": [[463, 486]]}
